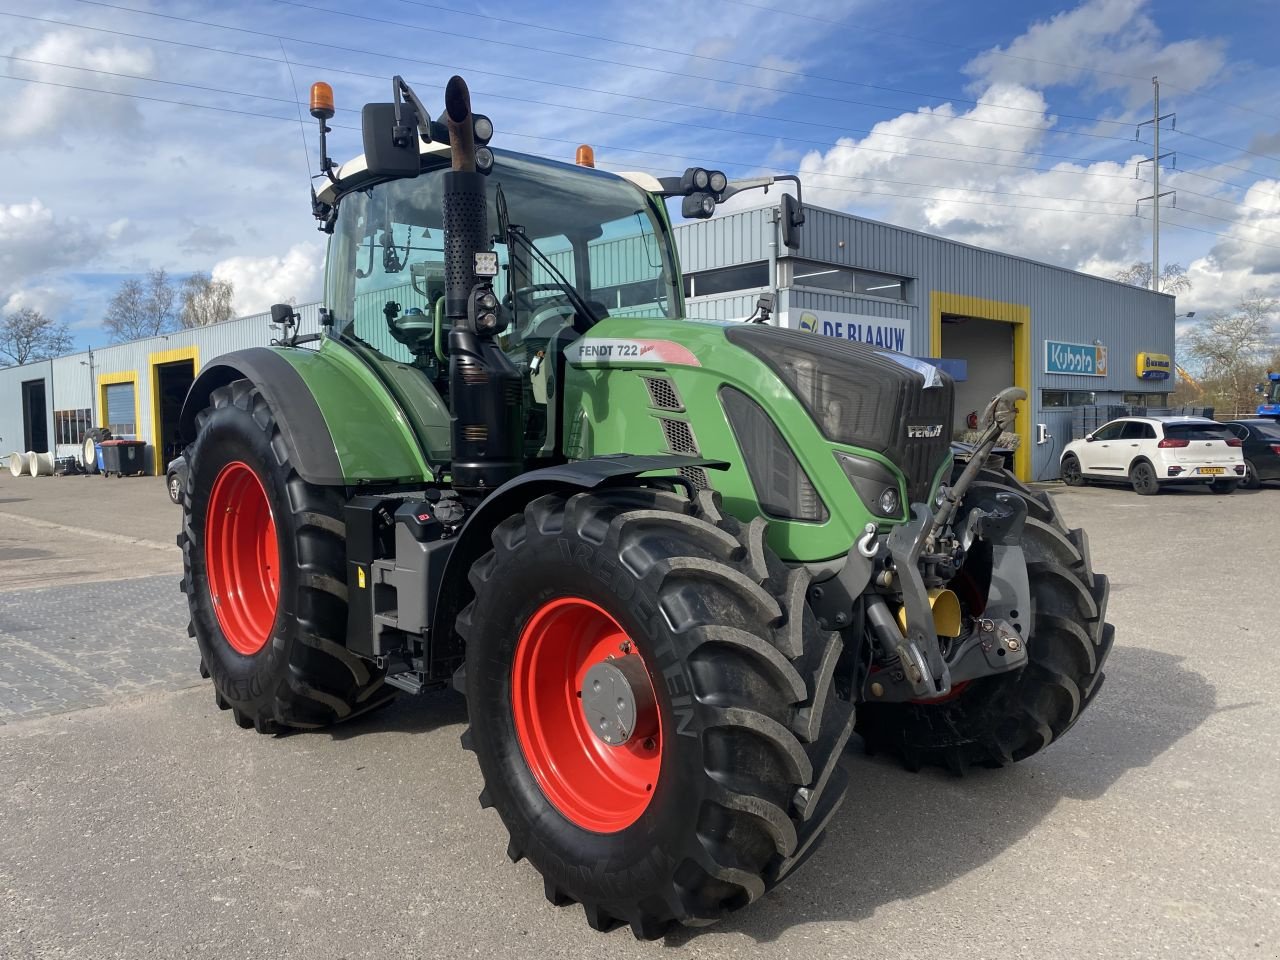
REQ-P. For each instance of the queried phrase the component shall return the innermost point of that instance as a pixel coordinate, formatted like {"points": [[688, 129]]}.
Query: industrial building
{"points": [[991, 319]]}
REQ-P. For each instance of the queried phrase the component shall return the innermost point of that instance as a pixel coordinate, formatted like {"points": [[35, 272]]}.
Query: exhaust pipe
{"points": [[486, 391]]}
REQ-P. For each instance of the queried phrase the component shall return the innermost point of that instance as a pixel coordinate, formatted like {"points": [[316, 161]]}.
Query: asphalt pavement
{"points": [[137, 821]]}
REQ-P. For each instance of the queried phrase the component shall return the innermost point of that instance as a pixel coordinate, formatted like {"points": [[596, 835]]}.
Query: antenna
{"points": [[302, 127]]}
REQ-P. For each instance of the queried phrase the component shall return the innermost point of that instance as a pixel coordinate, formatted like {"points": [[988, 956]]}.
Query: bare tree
{"points": [[27, 335], [206, 301], [141, 308], [161, 299], [1230, 349], [1173, 278]]}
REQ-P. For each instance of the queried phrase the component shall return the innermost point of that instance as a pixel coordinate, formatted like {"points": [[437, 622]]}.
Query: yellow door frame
{"points": [[154, 362], [123, 376], [1019, 315]]}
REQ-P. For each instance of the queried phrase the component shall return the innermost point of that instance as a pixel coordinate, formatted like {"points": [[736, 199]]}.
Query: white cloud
{"points": [[1245, 259], [34, 241], [262, 281], [969, 183], [39, 113], [1115, 39]]}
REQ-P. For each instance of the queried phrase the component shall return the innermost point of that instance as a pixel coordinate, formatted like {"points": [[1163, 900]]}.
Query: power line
{"points": [[1188, 91], [1229, 146], [742, 63], [697, 126], [576, 88], [297, 104], [559, 53], [140, 96]]}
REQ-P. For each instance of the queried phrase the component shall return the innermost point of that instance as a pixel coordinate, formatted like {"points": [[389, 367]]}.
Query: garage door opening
{"points": [[35, 417], [986, 347], [170, 385], [994, 339]]}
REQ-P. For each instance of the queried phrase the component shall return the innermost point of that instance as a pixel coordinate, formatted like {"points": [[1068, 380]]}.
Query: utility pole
{"points": [[1155, 195]]}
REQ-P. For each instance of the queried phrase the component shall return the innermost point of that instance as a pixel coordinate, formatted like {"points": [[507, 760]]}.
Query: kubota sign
{"points": [[1079, 359]]}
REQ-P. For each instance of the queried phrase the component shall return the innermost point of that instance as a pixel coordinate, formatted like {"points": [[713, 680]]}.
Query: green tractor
{"points": [[667, 562]]}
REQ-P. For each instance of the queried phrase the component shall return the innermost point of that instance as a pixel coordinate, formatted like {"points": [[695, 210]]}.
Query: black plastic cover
{"points": [[861, 396], [782, 487]]}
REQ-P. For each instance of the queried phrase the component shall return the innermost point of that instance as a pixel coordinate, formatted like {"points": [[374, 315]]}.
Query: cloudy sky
{"points": [[1008, 124]]}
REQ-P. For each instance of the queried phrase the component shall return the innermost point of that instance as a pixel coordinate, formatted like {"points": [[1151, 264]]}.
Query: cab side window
{"points": [[1110, 432]]}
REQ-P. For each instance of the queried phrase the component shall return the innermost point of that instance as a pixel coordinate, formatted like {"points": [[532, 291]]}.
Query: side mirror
{"points": [[1089, 438], [282, 314], [1259, 388], [390, 148]]}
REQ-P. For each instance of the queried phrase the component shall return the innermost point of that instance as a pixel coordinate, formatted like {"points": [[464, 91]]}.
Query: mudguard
{"points": [[475, 538], [339, 422]]}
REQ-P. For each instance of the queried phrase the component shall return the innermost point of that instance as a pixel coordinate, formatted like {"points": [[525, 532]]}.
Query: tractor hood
{"points": [[864, 397]]}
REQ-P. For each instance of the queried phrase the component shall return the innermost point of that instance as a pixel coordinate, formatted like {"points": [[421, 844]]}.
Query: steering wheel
{"points": [[559, 308]]}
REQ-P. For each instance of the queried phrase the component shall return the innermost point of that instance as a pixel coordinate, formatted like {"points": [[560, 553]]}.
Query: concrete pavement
{"points": [[149, 825]]}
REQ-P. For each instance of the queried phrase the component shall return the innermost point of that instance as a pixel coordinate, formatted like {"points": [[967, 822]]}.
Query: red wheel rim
{"points": [[597, 787], [242, 558]]}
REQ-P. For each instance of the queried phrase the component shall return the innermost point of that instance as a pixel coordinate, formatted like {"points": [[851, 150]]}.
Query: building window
{"points": [[862, 283], [709, 283], [1068, 398], [1146, 399], [69, 426]]}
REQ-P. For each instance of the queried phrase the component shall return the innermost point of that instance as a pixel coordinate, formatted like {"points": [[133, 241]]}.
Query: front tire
{"points": [[738, 772], [173, 483], [1008, 717], [1072, 474], [264, 571]]}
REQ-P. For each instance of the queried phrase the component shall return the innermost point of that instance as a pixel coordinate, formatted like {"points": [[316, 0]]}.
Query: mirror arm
{"points": [[426, 127]]}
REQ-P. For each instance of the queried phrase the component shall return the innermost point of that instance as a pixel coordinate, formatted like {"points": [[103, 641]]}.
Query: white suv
{"points": [[1149, 452]]}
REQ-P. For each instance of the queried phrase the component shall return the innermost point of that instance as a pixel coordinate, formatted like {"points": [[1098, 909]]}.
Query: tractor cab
{"points": [[571, 246]]}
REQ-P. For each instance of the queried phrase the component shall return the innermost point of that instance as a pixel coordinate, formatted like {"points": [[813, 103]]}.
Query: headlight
{"points": [[888, 502], [877, 485]]}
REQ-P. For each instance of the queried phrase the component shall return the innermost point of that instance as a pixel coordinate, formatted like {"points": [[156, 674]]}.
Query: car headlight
{"points": [[877, 485]]}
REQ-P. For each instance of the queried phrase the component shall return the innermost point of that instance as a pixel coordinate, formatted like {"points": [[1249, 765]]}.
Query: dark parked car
{"points": [[1261, 449], [175, 478]]}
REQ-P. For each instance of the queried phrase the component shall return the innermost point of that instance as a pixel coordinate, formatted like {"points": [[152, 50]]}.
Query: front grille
{"points": [[696, 476], [662, 394], [782, 487], [679, 436]]}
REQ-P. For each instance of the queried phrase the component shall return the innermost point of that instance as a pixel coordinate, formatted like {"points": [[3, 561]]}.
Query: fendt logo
{"points": [[927, 431]]}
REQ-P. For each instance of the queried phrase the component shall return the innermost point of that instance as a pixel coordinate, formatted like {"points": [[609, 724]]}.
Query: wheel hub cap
{"points": [[242, 558], [586, 715], [617, 701]]}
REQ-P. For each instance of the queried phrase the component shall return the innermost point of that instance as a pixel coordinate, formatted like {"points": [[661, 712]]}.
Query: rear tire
{"points": [[1143, 477], [751, 728], [1224, 486], [1251, 479], [274, 662], [1000, 719]]}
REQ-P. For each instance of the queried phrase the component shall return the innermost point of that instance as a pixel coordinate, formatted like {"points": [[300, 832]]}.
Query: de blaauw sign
{"points": [[1078, 359], [878, 331]]}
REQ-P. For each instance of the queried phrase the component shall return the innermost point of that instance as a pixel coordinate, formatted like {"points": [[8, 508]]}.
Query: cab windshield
{"points": [[601, 235]]}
